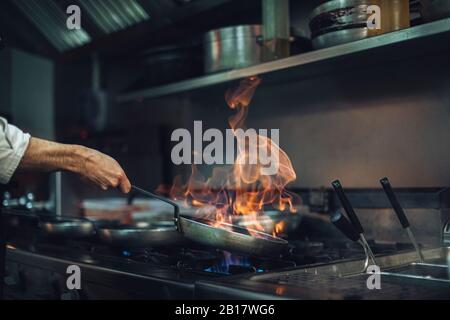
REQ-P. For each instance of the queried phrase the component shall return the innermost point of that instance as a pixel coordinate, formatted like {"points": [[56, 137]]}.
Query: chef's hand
{"points": [[103, 171], [99, 168]]}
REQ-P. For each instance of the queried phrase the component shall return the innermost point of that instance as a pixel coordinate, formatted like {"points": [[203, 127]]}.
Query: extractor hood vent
{"points": [[112, 15], [107, 16], [50, 19]]}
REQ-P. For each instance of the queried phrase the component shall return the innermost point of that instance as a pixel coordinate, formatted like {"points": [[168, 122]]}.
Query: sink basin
{"points": [[425, 271]]}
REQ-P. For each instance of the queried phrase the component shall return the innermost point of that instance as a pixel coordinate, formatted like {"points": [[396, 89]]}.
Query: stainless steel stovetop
{"points": [[313, 270]]}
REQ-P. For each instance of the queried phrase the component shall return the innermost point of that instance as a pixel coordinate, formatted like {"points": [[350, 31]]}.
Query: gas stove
{"points": [[37, 266], [142, 273], [223, 263]]}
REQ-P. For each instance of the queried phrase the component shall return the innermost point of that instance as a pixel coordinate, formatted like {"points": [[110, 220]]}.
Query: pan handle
{"points": [[347, 206], [341, 222], [176, 213], [394, 202]]}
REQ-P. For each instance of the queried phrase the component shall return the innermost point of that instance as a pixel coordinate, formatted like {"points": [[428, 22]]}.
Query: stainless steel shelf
{"points": [[402, 37]]}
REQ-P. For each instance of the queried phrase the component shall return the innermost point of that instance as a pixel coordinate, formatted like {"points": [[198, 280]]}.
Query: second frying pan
{"points": [[153, 235], [73, 228]]}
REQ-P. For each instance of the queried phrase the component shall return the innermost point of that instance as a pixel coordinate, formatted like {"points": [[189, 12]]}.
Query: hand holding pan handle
{"points": [[176, 212]]}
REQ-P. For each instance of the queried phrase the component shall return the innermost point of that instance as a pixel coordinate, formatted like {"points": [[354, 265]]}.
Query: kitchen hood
{"points": [[99, 19]]}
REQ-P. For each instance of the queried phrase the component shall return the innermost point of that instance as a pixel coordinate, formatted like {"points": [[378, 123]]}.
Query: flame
{"points": [[279, 228], [279, 290], [240, 191]]}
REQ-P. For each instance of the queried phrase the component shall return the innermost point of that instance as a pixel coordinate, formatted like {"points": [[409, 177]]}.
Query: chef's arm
{"points": [[101, 169], [19, 152]]}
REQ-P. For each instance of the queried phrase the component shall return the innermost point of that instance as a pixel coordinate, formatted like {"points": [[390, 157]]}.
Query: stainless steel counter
{"points": [[342, 280]]}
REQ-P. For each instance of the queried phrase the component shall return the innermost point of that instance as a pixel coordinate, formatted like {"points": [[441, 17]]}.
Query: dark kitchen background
{"points": [[368, 118], [123, 83]]}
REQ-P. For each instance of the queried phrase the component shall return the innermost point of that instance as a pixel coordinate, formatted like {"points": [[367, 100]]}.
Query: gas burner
{"points": [[226, 263], [199, 260]]}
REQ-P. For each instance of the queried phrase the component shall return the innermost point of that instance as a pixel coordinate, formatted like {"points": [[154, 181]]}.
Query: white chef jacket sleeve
{"points": [[13, 144]]}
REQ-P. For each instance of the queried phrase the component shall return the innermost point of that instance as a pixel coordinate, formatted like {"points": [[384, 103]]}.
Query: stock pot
{"points": [[233, 47]]}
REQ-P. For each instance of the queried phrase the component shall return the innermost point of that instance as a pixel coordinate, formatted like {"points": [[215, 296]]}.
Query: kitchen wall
{"points": [[343, 124], [395, 123], [5, 84], [34, 110], [26, 90], [357, 124]]}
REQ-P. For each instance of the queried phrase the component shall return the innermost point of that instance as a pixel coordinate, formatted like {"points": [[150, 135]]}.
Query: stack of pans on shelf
{"points": [[341, 21]]}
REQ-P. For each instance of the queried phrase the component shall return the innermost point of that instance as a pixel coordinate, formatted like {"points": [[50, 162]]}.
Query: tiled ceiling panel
{"points": [[114, 15], [107, 15], [50, 19]]}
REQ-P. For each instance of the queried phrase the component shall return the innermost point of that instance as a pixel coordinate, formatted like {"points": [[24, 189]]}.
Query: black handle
{"points": [[341, 222], [394, 202], [347, 206]]}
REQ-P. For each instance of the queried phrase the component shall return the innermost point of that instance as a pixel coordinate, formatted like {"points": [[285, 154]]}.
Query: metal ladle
{"points": [[401, 215], [353, 217]]}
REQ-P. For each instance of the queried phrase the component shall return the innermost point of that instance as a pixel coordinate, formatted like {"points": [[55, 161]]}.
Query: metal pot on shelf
{"points": [[244, 46], [233, 47]]}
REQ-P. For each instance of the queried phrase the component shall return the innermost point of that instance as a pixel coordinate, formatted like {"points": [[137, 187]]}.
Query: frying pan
{"points": [[49, 225], [139, 235], [226, 236], [222, 235], [157, 234], [74, 228]]}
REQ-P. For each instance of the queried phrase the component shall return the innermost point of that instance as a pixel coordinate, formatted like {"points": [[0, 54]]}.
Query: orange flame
{"points": [[279, 228], [240, 191]]}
